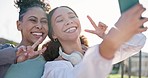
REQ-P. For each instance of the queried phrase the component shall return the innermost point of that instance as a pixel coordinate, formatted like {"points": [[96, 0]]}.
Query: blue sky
{"points": [[106, 11]]}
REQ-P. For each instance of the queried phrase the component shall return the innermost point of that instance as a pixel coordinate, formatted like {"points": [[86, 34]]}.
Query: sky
{"points": [[106, 11]]}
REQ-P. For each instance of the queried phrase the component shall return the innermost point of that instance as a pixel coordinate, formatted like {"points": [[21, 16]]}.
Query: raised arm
{"points": [[7, 54], [126, 27]]}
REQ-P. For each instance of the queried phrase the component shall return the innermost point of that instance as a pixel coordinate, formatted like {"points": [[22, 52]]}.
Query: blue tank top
{"points": [[32, 68]]}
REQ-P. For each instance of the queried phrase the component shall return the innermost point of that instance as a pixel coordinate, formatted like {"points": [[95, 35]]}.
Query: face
{"points": [[33, 25], [65, 24]]}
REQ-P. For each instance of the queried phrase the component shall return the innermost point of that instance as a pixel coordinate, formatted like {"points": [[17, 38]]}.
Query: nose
{"points": [[68, 22], [39, 25]]}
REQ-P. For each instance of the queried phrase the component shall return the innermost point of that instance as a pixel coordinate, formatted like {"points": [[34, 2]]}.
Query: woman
{"points": [[70, 61], [33, 26]]}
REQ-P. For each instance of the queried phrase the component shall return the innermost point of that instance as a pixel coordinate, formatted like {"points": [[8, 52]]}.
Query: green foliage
{"points": [[11, 42], [125, 76], [4, 41]]}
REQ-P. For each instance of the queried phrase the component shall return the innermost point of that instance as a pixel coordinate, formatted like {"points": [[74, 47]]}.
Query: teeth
{"points": [[72, 29], [37, 33]]}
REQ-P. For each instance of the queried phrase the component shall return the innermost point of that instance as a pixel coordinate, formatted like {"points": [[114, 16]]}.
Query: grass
{"points": [[125, 76]]}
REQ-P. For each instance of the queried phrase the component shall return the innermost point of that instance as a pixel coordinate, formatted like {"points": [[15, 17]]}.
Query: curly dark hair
{"points": [[24, 5], [52, 50]]}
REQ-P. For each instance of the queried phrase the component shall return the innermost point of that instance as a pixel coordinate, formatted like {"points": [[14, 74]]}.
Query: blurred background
{"points": [[106, 11]]}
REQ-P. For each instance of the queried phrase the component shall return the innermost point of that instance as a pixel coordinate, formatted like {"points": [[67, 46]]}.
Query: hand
{"points": [[99, 30], [27, 52], [130, 23], [127, 26]]}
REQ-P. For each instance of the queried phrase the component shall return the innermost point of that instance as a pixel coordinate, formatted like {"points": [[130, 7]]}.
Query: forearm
{"points": [[7, 55], [110, 44], [130, 48], [94, 65]]}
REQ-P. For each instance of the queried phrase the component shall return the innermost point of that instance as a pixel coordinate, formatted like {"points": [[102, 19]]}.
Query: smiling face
{"points": [[33, 25], [65, 24]]}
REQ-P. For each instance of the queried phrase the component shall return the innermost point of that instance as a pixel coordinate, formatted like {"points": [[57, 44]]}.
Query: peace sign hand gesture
{"points": [[99, 30], [27, 52]]}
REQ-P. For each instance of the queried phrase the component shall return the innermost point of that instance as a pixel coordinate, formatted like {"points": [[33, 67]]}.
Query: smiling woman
{"points": [[66, 57], [98, 11], [33, 25]]}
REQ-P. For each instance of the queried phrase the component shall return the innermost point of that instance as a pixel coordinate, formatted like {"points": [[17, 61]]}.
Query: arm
{"points": [[126, 27], [11, 55], [97, 62], [93, 65], [133, 46], [7, 55]]}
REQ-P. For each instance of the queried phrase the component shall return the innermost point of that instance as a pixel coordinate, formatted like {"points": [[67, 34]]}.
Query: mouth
{"points": [[37, 34], [71, 29]]}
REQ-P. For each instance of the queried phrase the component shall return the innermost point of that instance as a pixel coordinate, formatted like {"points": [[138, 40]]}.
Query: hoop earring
{"points": [[55, 40]]}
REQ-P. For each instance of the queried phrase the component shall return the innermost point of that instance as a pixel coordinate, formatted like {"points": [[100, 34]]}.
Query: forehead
{"points": [[35, 11], [62, 11]]}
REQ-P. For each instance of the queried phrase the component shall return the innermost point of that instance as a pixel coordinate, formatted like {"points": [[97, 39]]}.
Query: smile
{"points": [[71, 30], [37, 34]]}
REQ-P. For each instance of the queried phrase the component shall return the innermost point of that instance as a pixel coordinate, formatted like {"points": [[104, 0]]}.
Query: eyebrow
{"points": [[58, 16], [37, 18], [71, 13], [32, 17], [61, 15]]}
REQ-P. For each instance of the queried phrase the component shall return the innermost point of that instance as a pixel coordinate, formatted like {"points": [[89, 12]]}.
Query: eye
{"points": [[33, 20], [44, 22], [59, 20], [72, 16]]}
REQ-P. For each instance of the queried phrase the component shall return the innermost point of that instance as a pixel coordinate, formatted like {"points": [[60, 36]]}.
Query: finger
{"points": [[37, 42], [135, 8], [32, 54], [42, 50], [90, 31], [22, 57], [142, 30], [21, 50], [144, 19], [102, 26], [35, 53], [30, 49], [92, 22], [139, 12]]}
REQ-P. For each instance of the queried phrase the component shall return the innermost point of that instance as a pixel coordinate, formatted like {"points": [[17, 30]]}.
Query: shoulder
{"points": [[58, 64], [2, 46]]}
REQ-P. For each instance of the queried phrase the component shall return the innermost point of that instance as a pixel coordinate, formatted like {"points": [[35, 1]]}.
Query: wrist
{"points": [[15, 61]]}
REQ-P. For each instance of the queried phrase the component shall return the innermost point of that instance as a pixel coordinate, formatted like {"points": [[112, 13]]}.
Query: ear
{"points": [[19, 27], [54, 36]]}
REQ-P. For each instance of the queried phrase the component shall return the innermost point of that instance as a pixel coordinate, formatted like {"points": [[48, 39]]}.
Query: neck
{"points": [[69, 47], [23, 43]]}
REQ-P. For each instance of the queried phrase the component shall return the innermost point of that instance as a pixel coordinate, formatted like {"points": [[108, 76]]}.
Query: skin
{"points": [[62, 20], [127, 26], [34, 29], [33, 26]]}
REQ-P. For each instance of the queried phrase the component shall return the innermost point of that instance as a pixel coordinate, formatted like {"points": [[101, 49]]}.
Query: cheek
{"points": [[57, 27], [78, 23], [57, 30], [46, 28], [26, 28]]}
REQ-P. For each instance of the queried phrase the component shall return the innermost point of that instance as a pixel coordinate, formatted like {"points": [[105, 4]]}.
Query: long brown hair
{"points": [[52, 50]]}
